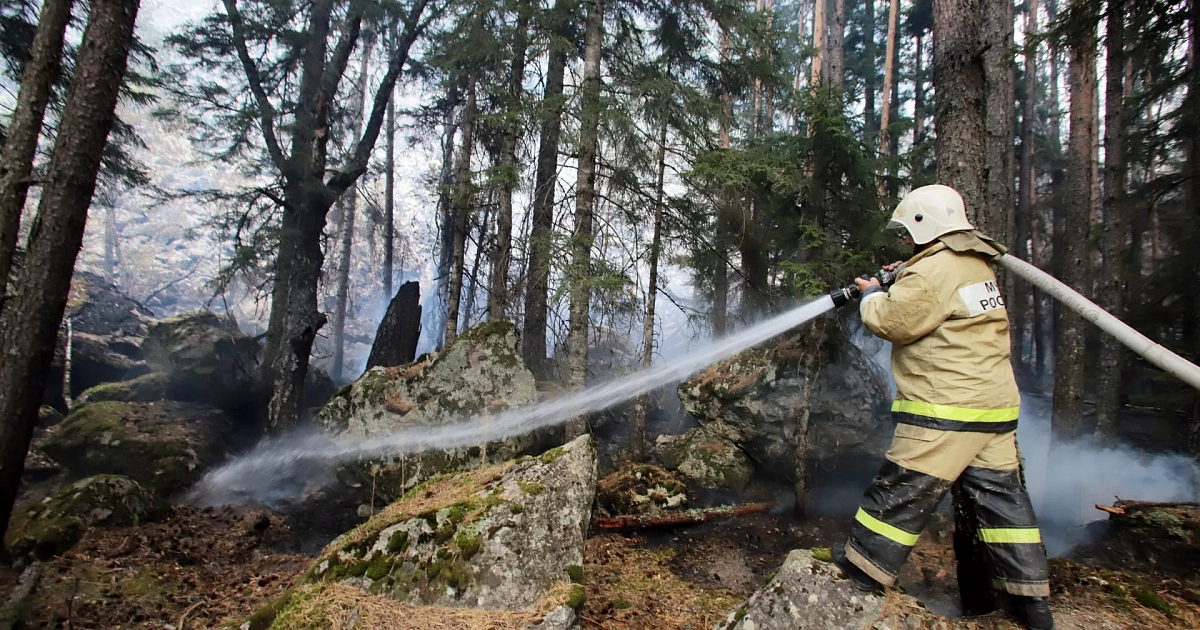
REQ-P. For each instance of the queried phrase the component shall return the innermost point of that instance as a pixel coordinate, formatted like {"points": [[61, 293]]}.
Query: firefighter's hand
{"points": [[892, 267], [863, 284]]}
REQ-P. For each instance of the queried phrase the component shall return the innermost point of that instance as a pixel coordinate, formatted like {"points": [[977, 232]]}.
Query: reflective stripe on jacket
{"points": [[948, 326]]}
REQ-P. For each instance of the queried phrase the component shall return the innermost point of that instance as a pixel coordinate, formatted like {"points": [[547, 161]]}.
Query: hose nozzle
{"points": [[843, 296]]}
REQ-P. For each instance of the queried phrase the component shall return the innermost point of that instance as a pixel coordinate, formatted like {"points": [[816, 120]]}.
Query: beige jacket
{"points": [[950, 355]]}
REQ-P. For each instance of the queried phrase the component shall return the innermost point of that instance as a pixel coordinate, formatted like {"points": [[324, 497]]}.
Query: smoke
{"points": [[1067, 480], [291, 464]]}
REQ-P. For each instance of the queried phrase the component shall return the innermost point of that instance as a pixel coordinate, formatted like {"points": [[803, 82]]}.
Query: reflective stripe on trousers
{"points": [[898, 504]]}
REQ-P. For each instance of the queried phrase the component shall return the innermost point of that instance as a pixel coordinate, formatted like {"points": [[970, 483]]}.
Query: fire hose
{"points": [[1140, 344]]}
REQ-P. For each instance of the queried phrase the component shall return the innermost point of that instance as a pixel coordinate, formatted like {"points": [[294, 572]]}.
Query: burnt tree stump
{"points": [[396, 340]]}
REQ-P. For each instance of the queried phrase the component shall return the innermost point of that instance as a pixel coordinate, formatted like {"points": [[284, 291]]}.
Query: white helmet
{"points": [[929, 212]]}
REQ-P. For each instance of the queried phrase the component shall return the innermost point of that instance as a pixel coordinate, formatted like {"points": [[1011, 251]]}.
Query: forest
{"points": [[226, 223]]}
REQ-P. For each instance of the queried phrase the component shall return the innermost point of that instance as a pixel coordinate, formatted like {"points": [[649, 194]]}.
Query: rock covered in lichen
{"points": [[757, 398], [480, 373], [164, 446], [707, 458], [500, 538], [205, 358], [807, 593], [53, 525], [640, 489]]}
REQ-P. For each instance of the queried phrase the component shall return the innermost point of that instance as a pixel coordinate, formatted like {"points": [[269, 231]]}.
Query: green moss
{"points": [[1170, 522], [398, 542], [516, 508], [531, 488], [552, 455], [468, 544], [445, 533], [264, 617], [145, 388], [575, 572], [379, 565], [576, 598], [1117, 589], [824, 554], [494, 500], [13, 614], [1152, 600], [621, 604]]}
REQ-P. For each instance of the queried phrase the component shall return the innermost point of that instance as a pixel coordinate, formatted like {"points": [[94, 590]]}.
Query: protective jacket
{"points": [[946, 319], [956, 410]]}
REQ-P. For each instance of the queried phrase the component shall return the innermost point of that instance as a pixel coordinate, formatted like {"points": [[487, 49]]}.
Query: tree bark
{"points": [[996, 38], [958, 77], [835, 53], [533, 330], [350, 208], [1193, 167], [1067, 421], [389, 195], [509, 169], [720, 278], [888, 67], [398, 333], [111, 244], [585, 191], [1115, 230], [869, 75], [918, 93], [464, 192], [643, 403], [30, 319], [16, 164], [1022, 299], [818, 60], [446, 225]]}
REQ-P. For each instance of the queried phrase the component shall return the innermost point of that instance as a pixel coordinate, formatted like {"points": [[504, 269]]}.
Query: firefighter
{"points": [[956, 409]]}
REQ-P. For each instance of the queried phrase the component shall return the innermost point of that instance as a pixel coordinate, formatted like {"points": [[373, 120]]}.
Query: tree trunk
{"points": [[111, 244], [888, 68], [389, 195], [461, 203], [446, 225], [870, 74], [996, 38], [918, 93], [585, 191], [720, 279], [502, 255], [398, 333], [350, 207], [1115, 229], [958, 78], [31, 318], [643, 403], [16, 164], [541, 237], [818, 60], [1022, 299], [1193, 167], [835, 53]]}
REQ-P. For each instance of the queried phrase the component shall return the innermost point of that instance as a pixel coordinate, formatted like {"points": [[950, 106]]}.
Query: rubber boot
{"points": [[1032, 612], [858, 578]]}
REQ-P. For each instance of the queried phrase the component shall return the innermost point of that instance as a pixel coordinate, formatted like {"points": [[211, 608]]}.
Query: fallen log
{"points": [[686, 517]]}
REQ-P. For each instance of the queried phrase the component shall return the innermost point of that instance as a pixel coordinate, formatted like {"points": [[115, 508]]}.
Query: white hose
{"points": [[1170, 362]]}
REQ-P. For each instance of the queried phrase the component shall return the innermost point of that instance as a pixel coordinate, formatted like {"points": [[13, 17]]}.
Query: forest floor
{"points": [[212, 568]]}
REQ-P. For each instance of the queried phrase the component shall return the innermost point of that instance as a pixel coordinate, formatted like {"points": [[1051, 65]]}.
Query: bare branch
{"points": [[265, 109], [415, 24]]}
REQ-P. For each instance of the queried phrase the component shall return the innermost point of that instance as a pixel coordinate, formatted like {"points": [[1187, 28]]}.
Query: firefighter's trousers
{"points": [[922, 464]]}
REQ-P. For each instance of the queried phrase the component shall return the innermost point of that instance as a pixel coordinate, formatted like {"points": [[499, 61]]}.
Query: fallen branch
{"points": [[1122, 506], [687, 517]]}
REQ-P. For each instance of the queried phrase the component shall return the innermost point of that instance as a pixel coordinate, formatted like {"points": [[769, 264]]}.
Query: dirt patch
{"points": [[198, 567]]}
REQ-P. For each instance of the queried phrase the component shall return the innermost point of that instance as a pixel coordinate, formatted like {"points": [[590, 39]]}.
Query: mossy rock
{"points": [[49, 416], [53, 525], [707, 458], [206, 357], [640, 489], [145, 388], [164, 446]]}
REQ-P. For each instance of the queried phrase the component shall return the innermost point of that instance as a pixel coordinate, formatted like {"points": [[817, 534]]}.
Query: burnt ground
{"points": [[213, 567]]}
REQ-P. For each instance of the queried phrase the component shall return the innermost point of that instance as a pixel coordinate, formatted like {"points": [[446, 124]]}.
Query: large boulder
{"points": [[164, 446], [707, 458], [204, 358], [53, 525], [812, 594], [757, 398], [480, 373], [503, 538], [107, 330]]}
